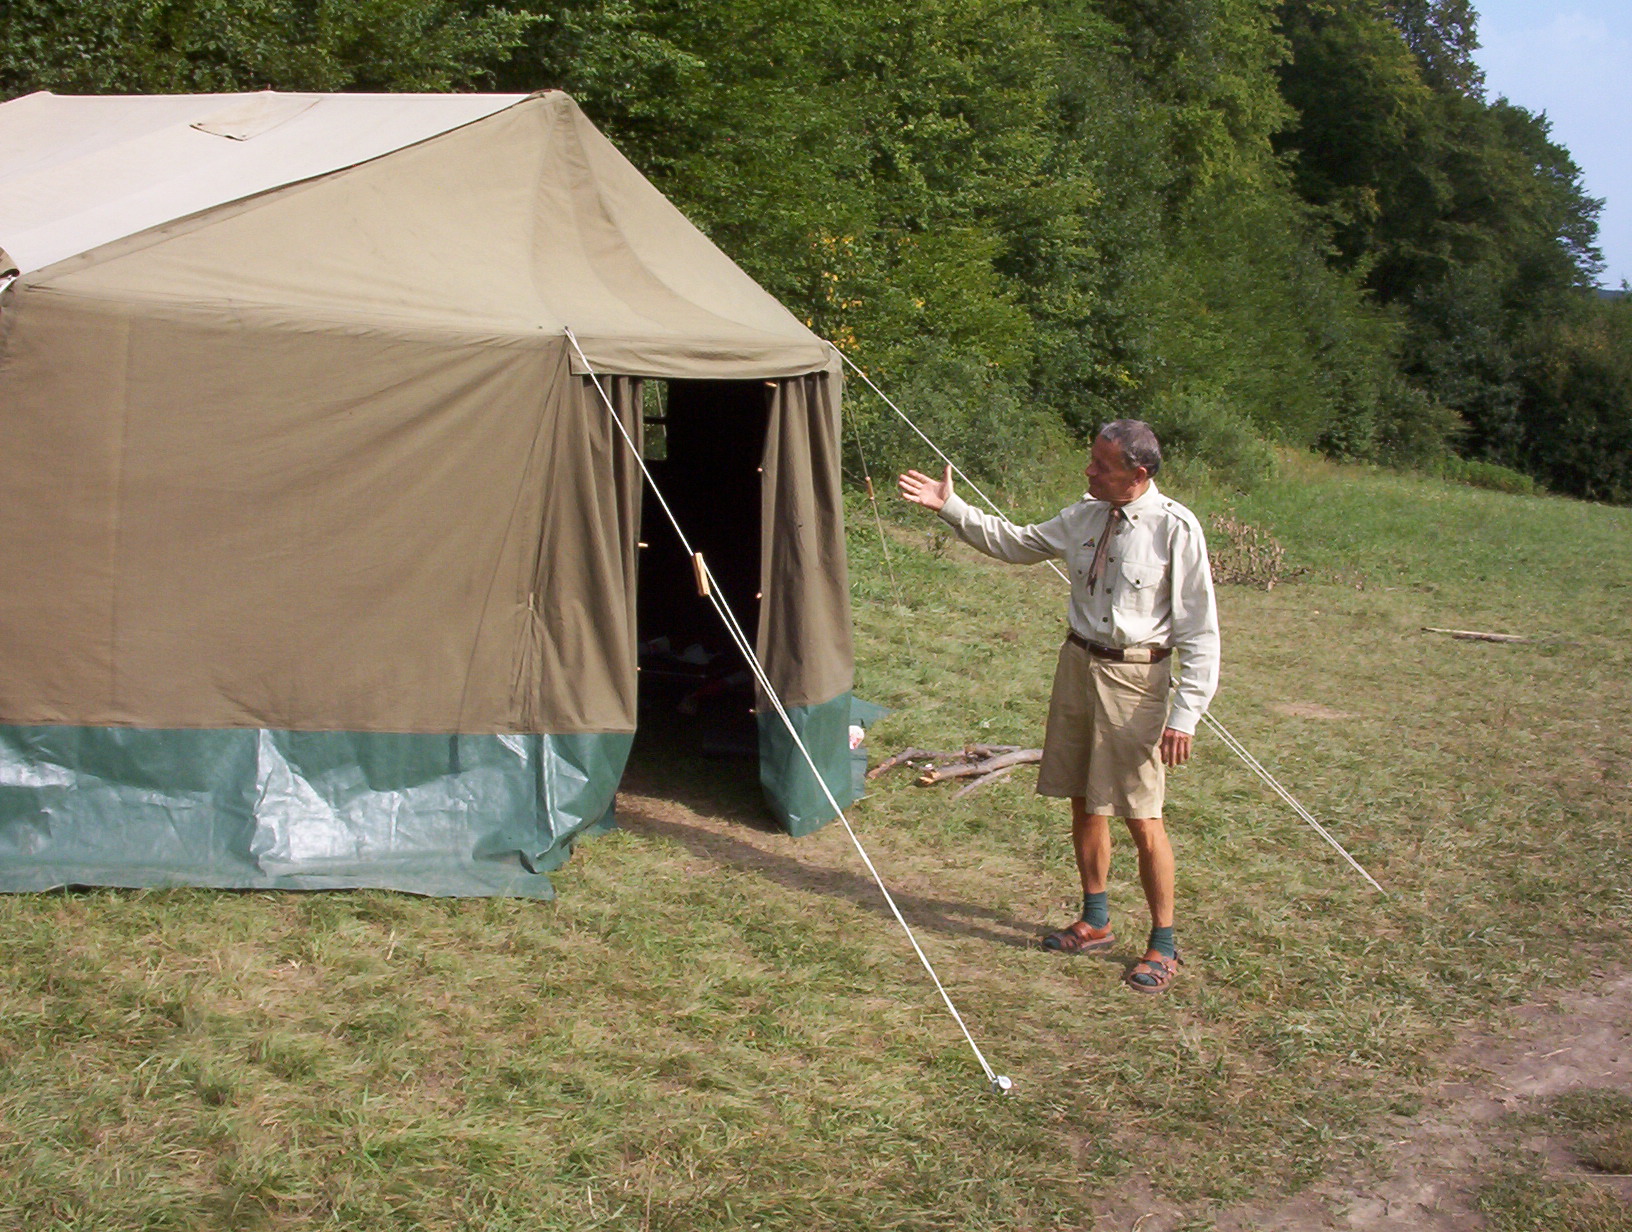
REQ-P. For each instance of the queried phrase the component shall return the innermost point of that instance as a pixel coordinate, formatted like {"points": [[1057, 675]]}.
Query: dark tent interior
{"points": [[704, 442]]}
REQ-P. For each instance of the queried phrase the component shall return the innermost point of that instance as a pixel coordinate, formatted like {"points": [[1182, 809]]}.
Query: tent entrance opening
{"points": [[704, 443]]}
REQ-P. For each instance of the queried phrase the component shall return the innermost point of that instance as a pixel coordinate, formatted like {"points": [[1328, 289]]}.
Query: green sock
{"points": [[1161, 940], [1096, 909]]}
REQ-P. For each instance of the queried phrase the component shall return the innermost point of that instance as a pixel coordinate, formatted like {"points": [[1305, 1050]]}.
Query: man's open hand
{"points": [[920, 489], [1175, 747]]}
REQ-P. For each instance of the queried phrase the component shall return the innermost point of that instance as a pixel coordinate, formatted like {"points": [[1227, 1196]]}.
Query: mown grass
{"points": [[713, 1027]]}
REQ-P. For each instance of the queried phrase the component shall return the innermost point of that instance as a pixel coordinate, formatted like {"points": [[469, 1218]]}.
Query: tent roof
{"points": [[80, 172], [500, 216]]}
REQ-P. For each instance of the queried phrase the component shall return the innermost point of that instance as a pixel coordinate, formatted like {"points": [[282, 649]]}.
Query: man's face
{"points": [[1108, 478]]}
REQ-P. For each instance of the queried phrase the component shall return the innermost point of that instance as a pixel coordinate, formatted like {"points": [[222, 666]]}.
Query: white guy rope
{"points": [[955, 468], [878, 519], [1230, 742], [998, 1082], [1240, 750]]}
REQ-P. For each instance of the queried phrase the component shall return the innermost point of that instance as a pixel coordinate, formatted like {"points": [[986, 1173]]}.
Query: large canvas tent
{"points": [[319, 549]]}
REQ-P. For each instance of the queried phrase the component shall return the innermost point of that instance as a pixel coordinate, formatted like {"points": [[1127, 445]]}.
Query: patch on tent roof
{"points": [[254, 115]]}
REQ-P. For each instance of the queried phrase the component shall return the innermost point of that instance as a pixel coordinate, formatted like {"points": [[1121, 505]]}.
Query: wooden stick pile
{"points": [[980, 763]]}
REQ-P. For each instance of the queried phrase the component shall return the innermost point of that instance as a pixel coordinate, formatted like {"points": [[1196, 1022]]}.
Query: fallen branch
{"points": [[940, 774], [989, 750], [982, 781], [1471, 635], [907, 757]]}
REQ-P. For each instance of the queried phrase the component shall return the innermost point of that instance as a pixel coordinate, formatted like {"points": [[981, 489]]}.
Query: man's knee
{"points": [[1147, 832]]}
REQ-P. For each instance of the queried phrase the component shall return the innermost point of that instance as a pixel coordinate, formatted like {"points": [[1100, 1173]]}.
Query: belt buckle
{"points": [[1136, 654]]}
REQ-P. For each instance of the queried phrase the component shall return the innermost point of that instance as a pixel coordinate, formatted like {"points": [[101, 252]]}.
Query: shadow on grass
{"points": [[960, 919], [668, 763]]}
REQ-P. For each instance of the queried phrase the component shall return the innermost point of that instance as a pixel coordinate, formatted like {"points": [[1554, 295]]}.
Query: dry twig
{"points": [[907, 756], [969, 752], [1471, 635]]}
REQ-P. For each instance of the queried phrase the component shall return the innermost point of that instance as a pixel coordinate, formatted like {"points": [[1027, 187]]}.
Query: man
{"points": [[1141, 590]]}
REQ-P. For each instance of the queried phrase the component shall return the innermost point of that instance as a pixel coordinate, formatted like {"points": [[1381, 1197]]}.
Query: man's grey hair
{"points": [[1138, 443]]}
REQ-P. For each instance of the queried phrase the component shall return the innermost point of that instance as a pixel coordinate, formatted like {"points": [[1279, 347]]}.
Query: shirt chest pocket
{"points": [[1142, 583]]}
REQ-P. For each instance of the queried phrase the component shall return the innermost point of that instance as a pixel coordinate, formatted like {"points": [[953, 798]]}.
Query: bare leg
{"points": [[1155, 867], [1091, 840]]}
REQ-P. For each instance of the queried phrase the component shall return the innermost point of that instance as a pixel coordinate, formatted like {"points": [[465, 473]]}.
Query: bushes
{"points": [[983, 420], [1208, 435], [1486, 475]]}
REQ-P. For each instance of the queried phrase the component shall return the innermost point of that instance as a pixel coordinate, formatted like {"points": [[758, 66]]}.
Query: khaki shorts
{"points": [[1104, 743]]}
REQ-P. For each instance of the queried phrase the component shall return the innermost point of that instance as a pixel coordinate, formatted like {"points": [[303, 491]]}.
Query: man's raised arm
{"points": [[1019, 545]]}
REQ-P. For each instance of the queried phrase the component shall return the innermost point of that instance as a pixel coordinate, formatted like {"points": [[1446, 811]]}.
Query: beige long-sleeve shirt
{"points": [[1157, 588]]}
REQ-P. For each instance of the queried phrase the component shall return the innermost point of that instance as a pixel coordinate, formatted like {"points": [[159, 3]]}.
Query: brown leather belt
{"points": [[1130, 654]]}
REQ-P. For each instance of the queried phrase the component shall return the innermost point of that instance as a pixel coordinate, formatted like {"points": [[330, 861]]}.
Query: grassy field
{"points": [[716, 1027]]}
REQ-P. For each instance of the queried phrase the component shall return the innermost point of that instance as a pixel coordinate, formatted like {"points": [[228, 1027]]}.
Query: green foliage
{"points": [[1213, 441], [1486, 475], [1441, 35], [1575, 402], [1248, 308], [177, 46], [1461, 212], [1207, 65], [979, 418]]}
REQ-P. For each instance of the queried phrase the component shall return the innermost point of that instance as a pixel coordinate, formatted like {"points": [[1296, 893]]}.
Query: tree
{"points": [[1576, 401], [167, 46], [1462, 213]]}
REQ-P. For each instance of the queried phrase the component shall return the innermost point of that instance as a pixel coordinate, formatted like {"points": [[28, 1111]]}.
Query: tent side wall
{"points": [[805, 636], [213, 523], [245, 561]]}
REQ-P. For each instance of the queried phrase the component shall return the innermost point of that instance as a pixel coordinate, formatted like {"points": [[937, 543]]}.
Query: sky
{"points": [[1569, 59]]}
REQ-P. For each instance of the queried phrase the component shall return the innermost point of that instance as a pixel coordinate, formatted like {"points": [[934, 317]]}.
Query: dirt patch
{"points": [[1434, 1164], [1310, 710]]}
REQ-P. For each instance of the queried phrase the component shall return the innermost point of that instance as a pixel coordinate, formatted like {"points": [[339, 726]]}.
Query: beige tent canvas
{"points": [[320, 552]]}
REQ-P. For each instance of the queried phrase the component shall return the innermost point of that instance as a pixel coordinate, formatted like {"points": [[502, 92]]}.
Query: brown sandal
{"points": [[1153, 974], [1079, 938]]}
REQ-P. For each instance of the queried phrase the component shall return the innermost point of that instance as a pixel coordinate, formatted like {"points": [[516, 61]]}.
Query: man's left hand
{"points": [[1175, 747]]}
